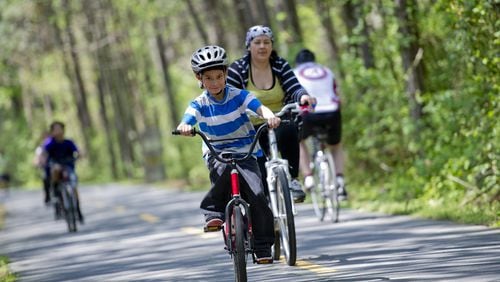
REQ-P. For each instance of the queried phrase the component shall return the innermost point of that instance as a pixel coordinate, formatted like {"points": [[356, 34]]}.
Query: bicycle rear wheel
{"points": [[332, 198], [286, 217], [69, 204], [239, 254], [318, 191]]}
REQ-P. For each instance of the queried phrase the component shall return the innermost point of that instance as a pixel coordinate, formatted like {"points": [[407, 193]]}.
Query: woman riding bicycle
{"points": [[220, 113], [272, 81]]}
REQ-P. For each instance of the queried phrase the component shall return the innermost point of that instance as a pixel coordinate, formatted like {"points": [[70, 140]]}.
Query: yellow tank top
{"points": [[271, 98]]}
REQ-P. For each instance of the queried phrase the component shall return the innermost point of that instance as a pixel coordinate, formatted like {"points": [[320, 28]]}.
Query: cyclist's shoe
{"points": [[342, 192], [80, 218], [263, 256], [47, 200], [58, 213], [298, 195], [213, 224], [309, 183]]}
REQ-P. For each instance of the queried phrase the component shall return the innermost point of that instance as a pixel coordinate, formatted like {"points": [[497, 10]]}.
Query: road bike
{"points": [[237, 229], [324, 194]]}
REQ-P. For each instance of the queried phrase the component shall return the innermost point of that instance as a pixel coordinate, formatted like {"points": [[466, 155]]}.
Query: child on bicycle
{"points": [[60, 155], [320, 80], [220, 113]]}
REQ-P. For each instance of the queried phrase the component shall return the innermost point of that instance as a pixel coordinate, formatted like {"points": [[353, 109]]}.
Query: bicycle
{"points": [[237, 229], [282, 204], [324, 194], [66, 201]]}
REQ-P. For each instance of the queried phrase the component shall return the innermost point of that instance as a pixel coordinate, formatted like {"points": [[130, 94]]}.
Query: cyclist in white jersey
{"points": [[320, 81]]}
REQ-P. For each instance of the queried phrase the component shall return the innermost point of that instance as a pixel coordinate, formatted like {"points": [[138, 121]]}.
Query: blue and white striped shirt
{"points": [[225, 119]]}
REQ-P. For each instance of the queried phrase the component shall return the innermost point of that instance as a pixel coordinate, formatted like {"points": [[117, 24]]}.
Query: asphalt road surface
{"points": [[139, 233]]}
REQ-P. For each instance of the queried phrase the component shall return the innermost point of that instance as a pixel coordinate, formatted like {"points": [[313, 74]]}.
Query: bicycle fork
{"points": [[229, 230]]}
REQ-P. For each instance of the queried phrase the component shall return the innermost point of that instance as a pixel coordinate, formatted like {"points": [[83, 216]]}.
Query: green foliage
{"points": [[448, 158]]}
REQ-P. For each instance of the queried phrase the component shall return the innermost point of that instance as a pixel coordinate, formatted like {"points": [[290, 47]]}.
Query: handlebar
{"points": [[208, 142]]}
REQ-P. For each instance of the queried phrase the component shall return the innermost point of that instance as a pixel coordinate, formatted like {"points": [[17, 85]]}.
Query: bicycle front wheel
{"points": [[286, 219], [239, 254], [69, 204]]}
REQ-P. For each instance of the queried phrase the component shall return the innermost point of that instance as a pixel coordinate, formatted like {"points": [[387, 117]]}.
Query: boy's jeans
{"points": [[252, 192]]}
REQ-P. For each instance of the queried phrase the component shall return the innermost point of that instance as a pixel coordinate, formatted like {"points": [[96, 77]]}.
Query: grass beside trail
{"points": [[5, 274], [437, 209]]}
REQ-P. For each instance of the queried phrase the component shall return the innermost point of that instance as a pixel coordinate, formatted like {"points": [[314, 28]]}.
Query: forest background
{"points": [[418, 80]]}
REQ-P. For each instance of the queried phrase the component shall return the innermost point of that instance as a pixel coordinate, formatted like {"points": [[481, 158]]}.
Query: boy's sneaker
{"points": [[213, 224], [309, 183], [263, 256], [298, 195], [342, 192]]}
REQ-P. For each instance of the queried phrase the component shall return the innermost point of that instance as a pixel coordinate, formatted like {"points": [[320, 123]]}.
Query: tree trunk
{"points": [[93, 35], [199, 26], [169, 93], [72, 69], [244, 18], [265, 19], [411, 58], [352, 17], [81, 94], [323, 8], [291, 8], [212, 8], [103, 113]]}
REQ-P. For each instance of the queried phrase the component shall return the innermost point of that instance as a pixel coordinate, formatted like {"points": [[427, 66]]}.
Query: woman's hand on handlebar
{"points": [[185, 129]]}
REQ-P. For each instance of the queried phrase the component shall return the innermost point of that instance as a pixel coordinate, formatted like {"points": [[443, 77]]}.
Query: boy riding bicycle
{"points": [[220, 113], [60, 155]]}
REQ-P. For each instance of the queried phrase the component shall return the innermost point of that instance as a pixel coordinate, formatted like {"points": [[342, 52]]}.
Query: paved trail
{"points": [[146, 234]]}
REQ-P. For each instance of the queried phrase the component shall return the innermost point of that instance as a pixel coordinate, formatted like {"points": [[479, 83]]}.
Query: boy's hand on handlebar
{"points": [[273, 122], [185, 129]]}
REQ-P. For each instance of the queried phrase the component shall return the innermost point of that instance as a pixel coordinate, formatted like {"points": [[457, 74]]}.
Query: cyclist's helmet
{"points": [[256, 31], [208, 57], [304, 56]]}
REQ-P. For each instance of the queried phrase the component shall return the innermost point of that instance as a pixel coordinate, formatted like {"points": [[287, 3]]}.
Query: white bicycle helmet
{"points": [[208, 57], [256, 31]]}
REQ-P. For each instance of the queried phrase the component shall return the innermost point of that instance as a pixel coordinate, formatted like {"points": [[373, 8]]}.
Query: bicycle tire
{"points": [[239, 253], [332, 198], [317, 192], [286, 218], [69, 207]]}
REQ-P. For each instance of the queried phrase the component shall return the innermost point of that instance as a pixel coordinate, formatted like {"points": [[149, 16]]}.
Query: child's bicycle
{"points": [[237, 229], [65, 199]]}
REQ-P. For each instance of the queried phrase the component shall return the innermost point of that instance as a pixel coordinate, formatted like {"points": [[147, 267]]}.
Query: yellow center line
{"points": [[120, 209], [314, 267], [199, 232], [149, 217]]}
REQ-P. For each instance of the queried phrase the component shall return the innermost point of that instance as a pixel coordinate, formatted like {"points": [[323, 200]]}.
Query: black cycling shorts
{"points": [[320, 122]]}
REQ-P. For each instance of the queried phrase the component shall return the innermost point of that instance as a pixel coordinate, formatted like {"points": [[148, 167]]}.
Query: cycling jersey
{"points": [[319, 82]]}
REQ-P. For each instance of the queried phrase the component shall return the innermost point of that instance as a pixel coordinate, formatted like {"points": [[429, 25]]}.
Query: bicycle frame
{"points": [[271, 165], [236, 200]]}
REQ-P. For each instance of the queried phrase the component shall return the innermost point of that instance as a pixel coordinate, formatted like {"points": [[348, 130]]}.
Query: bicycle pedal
{"points": [[212, 228], [264, 260]]}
